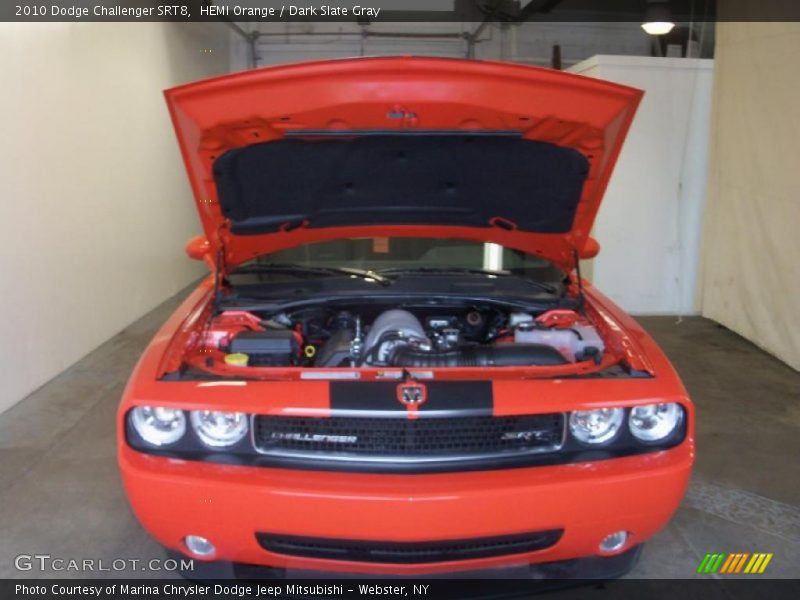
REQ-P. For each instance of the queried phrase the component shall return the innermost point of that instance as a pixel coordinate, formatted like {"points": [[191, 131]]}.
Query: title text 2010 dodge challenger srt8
{"points": [[394, 366]]}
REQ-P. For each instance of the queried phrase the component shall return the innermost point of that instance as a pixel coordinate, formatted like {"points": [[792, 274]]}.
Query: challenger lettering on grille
{"points": [[313, 437]]}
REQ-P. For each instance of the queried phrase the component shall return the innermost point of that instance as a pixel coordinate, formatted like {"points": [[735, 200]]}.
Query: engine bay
{"points": [[369, 336]]}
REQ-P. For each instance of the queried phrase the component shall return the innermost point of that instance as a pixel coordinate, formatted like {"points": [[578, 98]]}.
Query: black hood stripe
{"points": [[444, 398]]}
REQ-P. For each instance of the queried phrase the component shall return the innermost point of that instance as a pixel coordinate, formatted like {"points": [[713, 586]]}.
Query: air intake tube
{"points": [[502, 355]]}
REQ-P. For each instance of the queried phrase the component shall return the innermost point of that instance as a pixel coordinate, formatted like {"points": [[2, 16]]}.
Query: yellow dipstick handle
{"points": [[237, 359]]}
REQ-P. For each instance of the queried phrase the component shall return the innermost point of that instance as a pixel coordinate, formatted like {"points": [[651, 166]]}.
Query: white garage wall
{"points": [[751, 245], [95, 204], [649, 226]]}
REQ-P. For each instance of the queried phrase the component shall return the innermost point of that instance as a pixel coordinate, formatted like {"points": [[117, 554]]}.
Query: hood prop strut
{"points": [[581, 298], [217, 291], [220, 266]]}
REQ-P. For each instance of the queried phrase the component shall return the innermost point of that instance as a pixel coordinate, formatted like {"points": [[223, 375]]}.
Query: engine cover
{"points": [[391, 329]]}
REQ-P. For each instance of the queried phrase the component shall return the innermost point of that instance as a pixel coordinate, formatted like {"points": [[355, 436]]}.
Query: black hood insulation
{"points": [[419, 179]]}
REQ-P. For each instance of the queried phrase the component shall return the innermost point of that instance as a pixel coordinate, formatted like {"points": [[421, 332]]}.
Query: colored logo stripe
{"points": [[710, 563], [727, 564], [758, 563], [741, 561], [735, 563], [701, 568]]}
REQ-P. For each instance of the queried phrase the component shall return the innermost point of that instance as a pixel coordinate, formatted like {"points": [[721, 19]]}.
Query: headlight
{"points": [[653, 422], [217, 428], [596, 426], [158, 425]]}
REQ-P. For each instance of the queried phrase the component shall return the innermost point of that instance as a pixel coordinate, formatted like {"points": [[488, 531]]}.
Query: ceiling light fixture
{"points": [[657, 17]]}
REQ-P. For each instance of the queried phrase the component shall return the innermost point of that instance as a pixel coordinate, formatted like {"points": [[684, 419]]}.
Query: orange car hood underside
{"points": [[345, 99]]}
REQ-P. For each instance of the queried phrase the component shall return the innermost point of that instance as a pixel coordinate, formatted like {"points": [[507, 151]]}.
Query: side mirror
{"points": [[590, 249]]}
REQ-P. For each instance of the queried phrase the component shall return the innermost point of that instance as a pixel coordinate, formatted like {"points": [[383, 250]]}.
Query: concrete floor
{"points": [[60, 493]]}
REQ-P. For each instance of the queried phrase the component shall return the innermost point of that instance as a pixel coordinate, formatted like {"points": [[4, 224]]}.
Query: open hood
{"points": [[495, 152]]}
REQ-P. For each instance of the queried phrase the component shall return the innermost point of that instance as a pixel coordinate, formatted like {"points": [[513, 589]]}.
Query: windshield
{"points": [[399, 254]]}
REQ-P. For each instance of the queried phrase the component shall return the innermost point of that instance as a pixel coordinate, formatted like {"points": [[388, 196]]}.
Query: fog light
{"points": [[614, 542], [199, 546]]}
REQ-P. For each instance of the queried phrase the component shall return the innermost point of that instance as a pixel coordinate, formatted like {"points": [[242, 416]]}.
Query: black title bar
{"points": [[421, 589], [384, 11]]}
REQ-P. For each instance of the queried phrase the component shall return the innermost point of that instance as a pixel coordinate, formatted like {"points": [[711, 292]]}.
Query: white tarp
{"points": [[751, 244]]}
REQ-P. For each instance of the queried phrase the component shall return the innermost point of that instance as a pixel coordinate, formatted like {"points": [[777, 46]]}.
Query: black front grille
{"points": [[407, 552], [398, 439]]}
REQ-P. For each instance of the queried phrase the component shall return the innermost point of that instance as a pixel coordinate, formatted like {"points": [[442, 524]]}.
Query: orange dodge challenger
{"points": [[394, 366]]}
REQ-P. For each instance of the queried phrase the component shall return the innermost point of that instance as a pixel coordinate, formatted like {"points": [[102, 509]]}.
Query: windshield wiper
{"points": [[309, 271], [546, 287]]}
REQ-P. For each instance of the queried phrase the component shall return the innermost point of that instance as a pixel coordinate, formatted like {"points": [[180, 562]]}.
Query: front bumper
{"points": [[230, 504]]}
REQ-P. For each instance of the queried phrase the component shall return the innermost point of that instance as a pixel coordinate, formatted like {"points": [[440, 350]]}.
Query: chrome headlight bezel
{"points": [[608, 423], [667, 417], [204, 428], [158, 426]]}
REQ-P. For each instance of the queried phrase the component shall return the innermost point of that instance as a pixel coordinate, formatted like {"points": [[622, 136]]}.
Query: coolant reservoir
{"points": [[572, 343]]}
